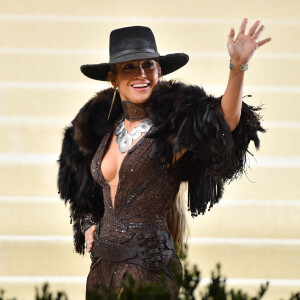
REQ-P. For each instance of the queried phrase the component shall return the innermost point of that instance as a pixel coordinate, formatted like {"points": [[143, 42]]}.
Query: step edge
{"points": [[243, 241], [88, 86], [131, 19], [205, 280]]}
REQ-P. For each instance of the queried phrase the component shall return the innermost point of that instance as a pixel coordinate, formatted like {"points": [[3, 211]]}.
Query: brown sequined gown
{"points": [[144, 195]]}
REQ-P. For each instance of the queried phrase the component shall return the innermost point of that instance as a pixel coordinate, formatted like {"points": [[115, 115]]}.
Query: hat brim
{"points": [[168, 63]]}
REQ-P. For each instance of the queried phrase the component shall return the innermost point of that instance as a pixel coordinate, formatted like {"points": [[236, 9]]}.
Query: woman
{"points": [[127, 152]]}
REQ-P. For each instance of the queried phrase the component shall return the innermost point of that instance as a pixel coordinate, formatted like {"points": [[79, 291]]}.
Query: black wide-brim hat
{"points": [[132, 43]]}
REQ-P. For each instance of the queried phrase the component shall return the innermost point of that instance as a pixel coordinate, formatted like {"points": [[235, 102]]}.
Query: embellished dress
{"points": [[145, 193], [183, 117]]}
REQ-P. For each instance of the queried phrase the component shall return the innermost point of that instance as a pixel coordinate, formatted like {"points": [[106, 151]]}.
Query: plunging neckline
{"points": [[107, 140]]}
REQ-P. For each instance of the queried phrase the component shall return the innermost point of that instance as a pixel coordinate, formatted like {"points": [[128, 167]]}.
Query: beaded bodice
{"points": [[144, 194]]}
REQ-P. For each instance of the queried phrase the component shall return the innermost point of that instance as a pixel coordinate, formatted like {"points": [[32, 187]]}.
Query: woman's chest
{"points": [[112, 159], [143, 183]]}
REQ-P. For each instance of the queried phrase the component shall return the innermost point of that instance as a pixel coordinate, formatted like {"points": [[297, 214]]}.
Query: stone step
{"points": [[43, 102], [49, 216], [240, 258], [43, 42], [32, 137], [24, 287], [275, 142], [41, 256], [93, 33], [191, 9], [62, 101], [36, 176], [206, 69], [273, 182], [246, 258], [39, 135], [34, 215], [277, 289], [248, 218]]}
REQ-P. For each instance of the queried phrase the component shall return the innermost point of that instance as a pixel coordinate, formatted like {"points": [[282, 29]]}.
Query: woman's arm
{"points": [[240, 51]]}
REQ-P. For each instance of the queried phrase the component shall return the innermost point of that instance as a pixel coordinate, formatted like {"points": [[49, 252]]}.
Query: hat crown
{"points": [[130, 40]]}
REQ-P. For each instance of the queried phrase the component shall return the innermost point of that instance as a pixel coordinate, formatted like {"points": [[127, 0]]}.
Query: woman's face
{"points": [[135, 79]]}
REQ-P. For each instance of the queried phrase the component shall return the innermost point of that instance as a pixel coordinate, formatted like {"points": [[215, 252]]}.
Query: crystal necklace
{"points": [[124, 139]]}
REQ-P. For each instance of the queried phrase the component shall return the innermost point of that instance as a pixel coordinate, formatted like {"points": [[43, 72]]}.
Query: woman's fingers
{"points": [[253, 28], [243, 26], [230, 40], [89, 244], [257, 34], [231, 35], [260, 43]]}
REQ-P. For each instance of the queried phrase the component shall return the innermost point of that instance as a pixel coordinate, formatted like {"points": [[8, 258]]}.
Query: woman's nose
{"points": [[140, 72]]}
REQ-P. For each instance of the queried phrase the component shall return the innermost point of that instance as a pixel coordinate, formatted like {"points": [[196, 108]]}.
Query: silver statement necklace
{"points": [[125, 139]]}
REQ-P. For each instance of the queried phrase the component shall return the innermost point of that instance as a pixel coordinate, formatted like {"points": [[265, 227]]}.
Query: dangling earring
{"points": [[112, 102]]}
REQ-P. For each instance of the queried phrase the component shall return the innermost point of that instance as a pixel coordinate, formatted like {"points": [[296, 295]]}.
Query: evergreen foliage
{"points": [[2, 296], [217, 290], [47, 295]]}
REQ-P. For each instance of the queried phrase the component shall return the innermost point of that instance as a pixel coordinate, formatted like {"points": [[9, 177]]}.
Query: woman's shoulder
{"points": [[175, 100], [91, 123], [177, 88], [177, 96]]}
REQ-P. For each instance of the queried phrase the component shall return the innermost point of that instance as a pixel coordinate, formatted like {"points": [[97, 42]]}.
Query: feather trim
{"points": [[184, 118], [81, 140]]}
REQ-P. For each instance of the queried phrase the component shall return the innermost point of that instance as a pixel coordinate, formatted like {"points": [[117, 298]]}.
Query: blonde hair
{"points": [[177, 220]]}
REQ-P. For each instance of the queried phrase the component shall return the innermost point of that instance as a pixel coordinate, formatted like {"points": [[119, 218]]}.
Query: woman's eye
{"points": [[149, 64], [128, 67]]}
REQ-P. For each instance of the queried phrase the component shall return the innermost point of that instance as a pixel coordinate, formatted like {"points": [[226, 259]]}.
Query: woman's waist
{"points": [[126, 230], [151, 248]]}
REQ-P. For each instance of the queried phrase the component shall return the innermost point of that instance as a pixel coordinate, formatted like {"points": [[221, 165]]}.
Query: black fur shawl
{"points": [[184, 117]]}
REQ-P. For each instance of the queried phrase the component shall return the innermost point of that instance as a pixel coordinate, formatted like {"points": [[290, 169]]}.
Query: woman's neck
{"points": [[134, 111]]}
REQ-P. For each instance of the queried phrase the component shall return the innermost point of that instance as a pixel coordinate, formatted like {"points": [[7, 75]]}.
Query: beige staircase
{"points": [[254, 232]]}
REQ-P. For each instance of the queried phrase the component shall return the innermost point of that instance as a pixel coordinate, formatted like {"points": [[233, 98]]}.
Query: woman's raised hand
{"points": [[89, 237], [243, 47]]}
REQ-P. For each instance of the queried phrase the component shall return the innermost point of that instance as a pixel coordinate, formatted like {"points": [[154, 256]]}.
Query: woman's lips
{"points": [[140, 85]]}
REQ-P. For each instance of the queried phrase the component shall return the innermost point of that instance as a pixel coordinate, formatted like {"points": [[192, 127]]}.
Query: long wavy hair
{"points": [[177, 220]]}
